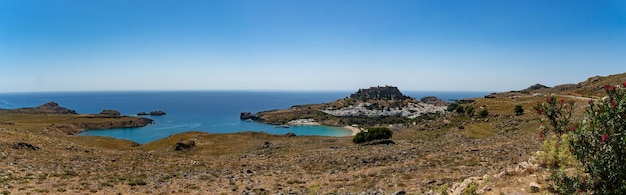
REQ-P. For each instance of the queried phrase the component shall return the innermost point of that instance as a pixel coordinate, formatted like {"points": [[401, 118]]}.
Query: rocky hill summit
{"points": [[379, 93]]}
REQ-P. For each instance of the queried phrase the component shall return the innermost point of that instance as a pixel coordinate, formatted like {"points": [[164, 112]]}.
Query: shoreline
{"points": [[354, 130]]}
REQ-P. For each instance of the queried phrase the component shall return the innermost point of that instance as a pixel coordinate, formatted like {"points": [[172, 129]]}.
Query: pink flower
{"points": [[609, 87], [590, 101], [539, 111], [605, 137], [550, 99], [540, 135], [583, 180], [572, 128], [562, 101], [624, 83], [613, 104]]}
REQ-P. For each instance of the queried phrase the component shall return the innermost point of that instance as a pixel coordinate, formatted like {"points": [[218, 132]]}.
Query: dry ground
{"points": [[428, 157]]}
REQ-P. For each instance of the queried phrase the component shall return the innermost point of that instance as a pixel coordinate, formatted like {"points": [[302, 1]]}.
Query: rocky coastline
{"points": [[67, 121]]}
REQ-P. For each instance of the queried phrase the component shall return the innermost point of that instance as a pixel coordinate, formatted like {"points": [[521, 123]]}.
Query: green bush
{"points": [[378, 133], [460, 110], [452, 107], [555, 153], [558, 114], [519, 110], [598, 143], [470, 111], [483, 113]]}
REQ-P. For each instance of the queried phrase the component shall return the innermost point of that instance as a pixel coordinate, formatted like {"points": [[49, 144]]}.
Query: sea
{"points": [[205, 111]]}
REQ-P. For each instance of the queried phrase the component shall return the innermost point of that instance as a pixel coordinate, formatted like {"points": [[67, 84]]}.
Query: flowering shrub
{"points": [[558, 114], [555, 150], [598, 144]]}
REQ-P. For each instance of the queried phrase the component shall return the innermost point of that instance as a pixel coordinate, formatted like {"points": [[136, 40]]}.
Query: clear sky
{"points": [[465, 45]]}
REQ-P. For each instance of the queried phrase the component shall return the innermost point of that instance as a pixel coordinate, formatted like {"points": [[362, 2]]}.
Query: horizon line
{"points": [[227, 90]]}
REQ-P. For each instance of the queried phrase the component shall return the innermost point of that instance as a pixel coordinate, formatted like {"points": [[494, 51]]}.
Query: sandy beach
{"points": [[354, 130]]}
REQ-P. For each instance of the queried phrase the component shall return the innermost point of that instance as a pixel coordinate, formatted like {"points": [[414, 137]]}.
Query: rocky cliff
{"points": [[379, 93]]}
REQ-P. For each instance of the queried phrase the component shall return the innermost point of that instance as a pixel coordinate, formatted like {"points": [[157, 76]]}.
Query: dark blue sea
{"points": [[207, 111]]}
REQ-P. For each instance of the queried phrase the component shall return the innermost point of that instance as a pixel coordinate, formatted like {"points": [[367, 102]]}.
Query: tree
{"points": [[518, 110], [378, 133]]}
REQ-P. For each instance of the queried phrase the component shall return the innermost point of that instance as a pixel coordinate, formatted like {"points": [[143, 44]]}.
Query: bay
{"points": [[206, 111]]}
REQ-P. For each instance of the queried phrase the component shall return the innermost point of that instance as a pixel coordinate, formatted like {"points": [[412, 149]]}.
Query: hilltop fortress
{"points": [[379, 93]]}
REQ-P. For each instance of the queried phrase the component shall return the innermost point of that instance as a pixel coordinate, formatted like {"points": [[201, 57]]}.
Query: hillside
{"points": [[453, 152], [592, 87], [366, 107]]}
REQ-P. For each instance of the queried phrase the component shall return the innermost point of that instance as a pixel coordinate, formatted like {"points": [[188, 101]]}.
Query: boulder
{"points": [[110, 112], [142, 113], [534, 187], [290, 134], [157, 113], [24, 145], [184, 144]]}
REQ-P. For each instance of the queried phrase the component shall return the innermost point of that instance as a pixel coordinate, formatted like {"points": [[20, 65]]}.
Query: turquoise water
{"points": [[206, 111]]}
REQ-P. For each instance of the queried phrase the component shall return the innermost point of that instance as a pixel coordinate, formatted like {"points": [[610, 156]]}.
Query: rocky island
{"points": [[152, 113]]}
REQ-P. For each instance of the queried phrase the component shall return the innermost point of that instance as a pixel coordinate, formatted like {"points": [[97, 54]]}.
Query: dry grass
{"points": [[427, 156]]}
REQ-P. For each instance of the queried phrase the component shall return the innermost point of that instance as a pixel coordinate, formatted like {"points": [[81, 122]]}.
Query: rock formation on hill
{"points": [[535, 87], [110, 112], [379, 93]]}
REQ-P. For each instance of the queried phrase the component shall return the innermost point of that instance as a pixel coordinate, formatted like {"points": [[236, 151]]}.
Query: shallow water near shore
{"points": [[205, 111]]}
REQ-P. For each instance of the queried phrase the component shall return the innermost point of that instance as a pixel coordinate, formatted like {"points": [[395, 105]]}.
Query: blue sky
{"points": [[76, 45]]}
